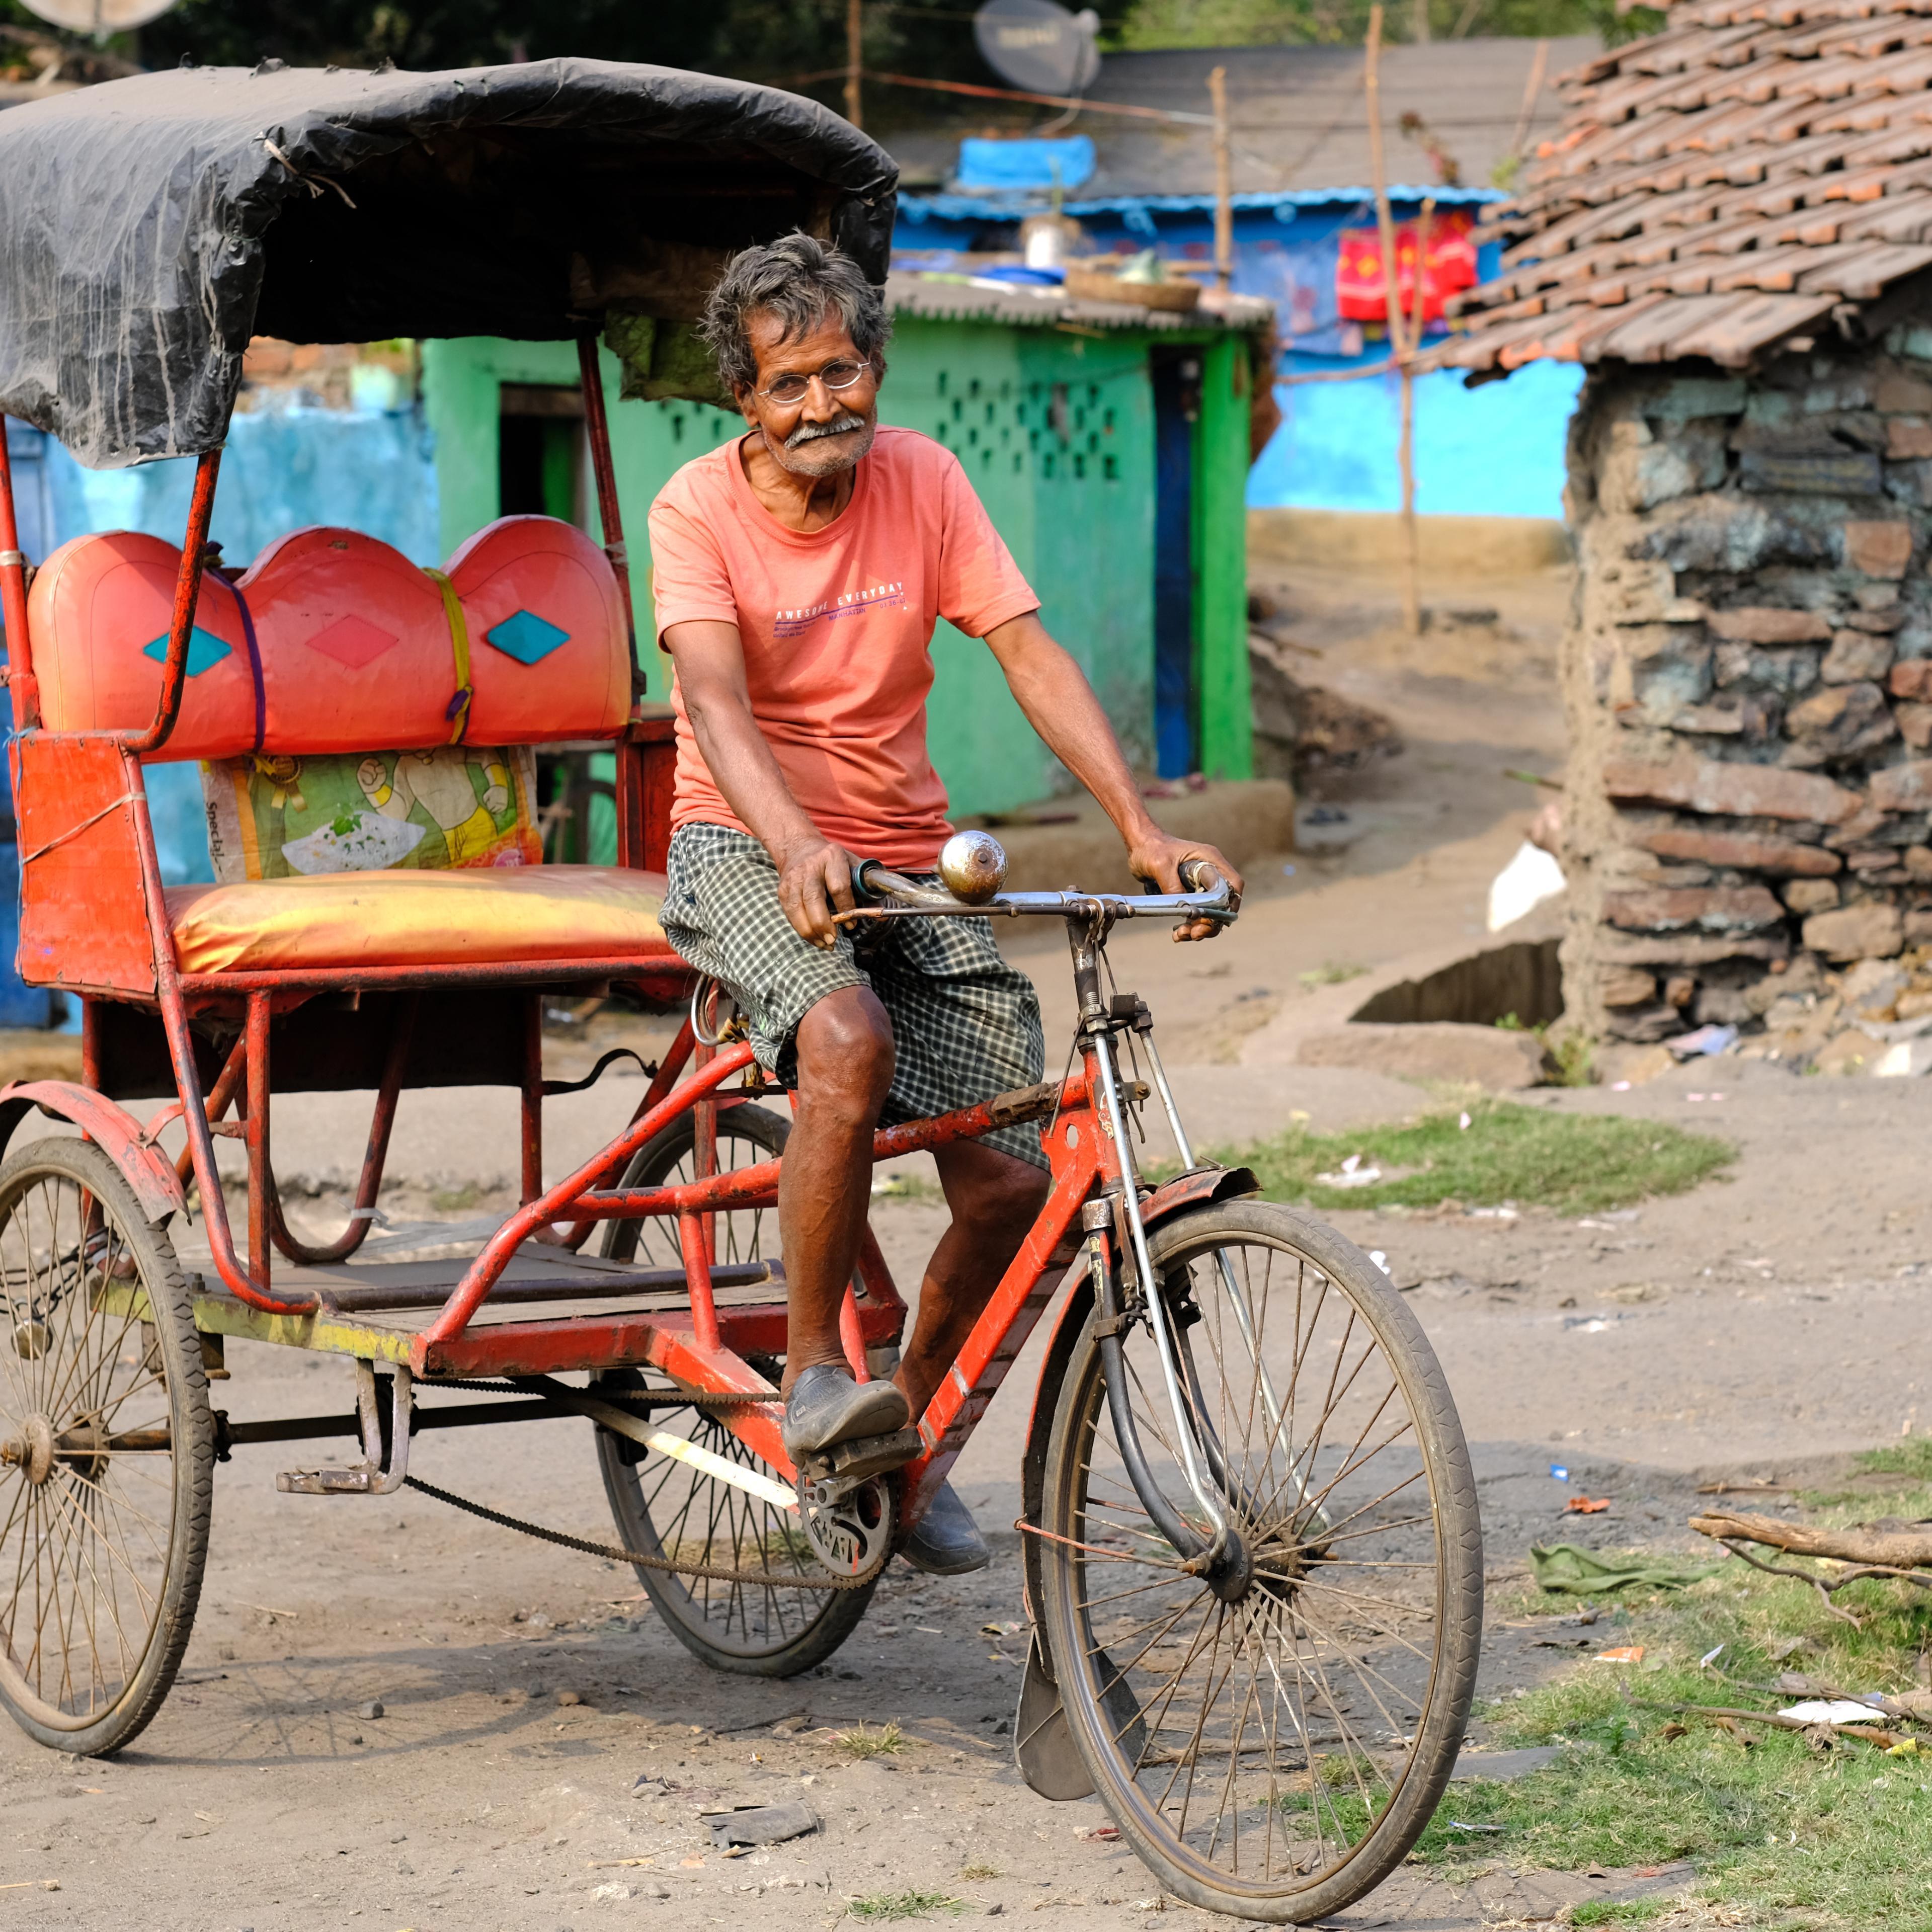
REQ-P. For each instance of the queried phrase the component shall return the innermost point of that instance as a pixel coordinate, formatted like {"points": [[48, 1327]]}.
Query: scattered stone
{"points": [[1841, 720], [1626, 986], [569, 1699], [1856, 656], [1745, 851], [1872, 931], [1878, 549], [1906, 787], [1758, 625], [1731, 789], [1714, 908], [371, 1710], [762, 1824]]}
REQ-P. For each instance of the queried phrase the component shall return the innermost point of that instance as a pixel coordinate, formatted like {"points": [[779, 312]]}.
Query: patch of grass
{"points": [[860, 1741], [1787, 1835], [906, 1187], [1911, 1457], [1331, 975], [1576, 1164], [1610, 1912], [454, 1200], [979, 1868], [883, 1907]]}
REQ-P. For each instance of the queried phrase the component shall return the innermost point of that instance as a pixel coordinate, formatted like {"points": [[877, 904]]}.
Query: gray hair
{"points": [[801, 281]]}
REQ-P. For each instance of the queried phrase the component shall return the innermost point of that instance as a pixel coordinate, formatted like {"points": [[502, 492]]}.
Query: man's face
{"points": [[825, 431]]}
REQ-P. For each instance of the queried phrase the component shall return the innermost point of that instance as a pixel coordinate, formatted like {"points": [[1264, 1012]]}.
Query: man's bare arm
{"points": [[814, 875], [1060, 704]]}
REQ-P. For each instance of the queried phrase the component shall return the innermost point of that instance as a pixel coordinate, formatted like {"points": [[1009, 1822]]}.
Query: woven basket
{"points": [[1103, 285]]}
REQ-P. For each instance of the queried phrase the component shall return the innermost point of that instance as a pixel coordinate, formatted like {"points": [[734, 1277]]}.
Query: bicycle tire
{"points": [[120, 1533], [1121, 1714], [733, 1627]]}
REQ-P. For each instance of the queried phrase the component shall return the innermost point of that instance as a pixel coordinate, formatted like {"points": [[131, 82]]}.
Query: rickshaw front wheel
{"points": [[106, 1453]]}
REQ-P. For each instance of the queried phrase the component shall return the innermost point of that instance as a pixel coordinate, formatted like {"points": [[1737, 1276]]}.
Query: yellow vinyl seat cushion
{"points": [[481, 916]]}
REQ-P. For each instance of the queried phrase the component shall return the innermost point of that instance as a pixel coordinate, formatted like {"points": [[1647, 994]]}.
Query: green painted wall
{"points": [[1054, 428]]}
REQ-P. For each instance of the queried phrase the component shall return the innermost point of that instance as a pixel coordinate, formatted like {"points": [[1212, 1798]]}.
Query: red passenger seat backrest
{"points": [[332, 641]]}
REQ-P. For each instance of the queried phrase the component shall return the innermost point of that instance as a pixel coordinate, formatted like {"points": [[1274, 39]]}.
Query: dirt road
{"points": [[545, 1747]]}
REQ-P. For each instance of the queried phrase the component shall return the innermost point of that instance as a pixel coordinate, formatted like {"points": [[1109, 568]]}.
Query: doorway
{"points": [[541, 451], [1176, 409]]}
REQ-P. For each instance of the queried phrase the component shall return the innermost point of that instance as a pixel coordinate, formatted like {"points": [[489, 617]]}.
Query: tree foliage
{"points": [[1238, 23]]}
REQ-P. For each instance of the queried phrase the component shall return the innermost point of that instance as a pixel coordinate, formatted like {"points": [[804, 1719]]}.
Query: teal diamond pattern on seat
{"points": [[527, 638], [205, 651]]}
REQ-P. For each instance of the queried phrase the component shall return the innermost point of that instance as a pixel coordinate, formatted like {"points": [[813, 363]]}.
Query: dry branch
{"points": [[1885, 1548]]}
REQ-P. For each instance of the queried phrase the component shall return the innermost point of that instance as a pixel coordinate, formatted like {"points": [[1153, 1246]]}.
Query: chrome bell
{"points": [[972, 866]]}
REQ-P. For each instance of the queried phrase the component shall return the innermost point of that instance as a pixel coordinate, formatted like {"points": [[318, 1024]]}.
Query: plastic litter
{"points": [[1532, 877], [1380, 1258], [1704, 1041], [762, 1824], [1831, 1711], [1561, 1470], [1710, 1657], [1625, 1653], [1583, 1572], [1586, 1505], [1351, 1174], [1463, 1123]]}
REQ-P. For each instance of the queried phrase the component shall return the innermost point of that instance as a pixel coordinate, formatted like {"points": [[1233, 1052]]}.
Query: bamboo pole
{"points": [[854, 50], [1400, 347], [1224, 200]]}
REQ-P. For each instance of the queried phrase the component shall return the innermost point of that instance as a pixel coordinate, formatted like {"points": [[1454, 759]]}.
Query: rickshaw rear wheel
{"points": [[106, 1453], [665, 1506]]}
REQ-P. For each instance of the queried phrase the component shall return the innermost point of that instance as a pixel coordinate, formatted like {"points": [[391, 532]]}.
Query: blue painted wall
{"points": [[1494, 452]]}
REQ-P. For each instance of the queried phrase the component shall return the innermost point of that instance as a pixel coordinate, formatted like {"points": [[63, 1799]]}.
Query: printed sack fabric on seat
{"points": [[277, 816]]}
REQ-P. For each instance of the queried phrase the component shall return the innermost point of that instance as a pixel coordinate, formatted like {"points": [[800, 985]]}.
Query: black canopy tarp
{"points": [[149, 227]]}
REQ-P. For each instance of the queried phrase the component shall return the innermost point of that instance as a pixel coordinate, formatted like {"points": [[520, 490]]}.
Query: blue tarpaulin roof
{"points": [[917, 207], [1004, 166]]}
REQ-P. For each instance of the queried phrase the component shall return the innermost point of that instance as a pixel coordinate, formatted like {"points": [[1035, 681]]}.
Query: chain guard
{"points": [[849, 1528]]}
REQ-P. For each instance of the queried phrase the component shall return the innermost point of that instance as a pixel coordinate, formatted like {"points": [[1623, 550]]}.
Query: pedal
{"points": [[356, 1482], [847, 1463]]}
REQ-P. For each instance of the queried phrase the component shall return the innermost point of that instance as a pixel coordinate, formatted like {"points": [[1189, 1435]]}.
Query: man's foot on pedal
{"points": [[946, 1541], [826, 1407]]}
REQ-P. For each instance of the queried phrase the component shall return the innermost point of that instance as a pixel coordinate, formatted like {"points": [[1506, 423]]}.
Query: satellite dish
{"points": [[1033, 45], [98, 17]]}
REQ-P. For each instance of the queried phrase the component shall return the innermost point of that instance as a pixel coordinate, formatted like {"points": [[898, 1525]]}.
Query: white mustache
{"points": [[811, 432]]}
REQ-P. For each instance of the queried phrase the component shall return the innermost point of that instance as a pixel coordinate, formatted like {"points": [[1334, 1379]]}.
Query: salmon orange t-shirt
{"points": [[836, 624]]}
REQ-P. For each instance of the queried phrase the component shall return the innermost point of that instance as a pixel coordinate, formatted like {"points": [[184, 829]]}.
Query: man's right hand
{"points": [[815, 880]]}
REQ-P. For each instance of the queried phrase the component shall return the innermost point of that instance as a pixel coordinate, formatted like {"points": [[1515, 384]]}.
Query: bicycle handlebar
{"points": [[1214, 900]]}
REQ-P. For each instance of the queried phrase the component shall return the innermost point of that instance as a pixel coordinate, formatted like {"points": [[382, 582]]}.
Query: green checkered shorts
{"points": [[965, 1024]]}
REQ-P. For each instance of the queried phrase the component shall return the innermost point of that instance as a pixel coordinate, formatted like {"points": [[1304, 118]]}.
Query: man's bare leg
{"points": [[995, 1200], [844, 1068]]}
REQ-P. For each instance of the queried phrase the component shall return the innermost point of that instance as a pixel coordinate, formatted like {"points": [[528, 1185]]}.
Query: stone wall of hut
{"points": [[1748, 678]]}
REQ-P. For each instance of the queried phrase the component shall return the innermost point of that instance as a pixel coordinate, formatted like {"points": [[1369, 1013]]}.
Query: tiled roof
{"points": [[1718, 188]]}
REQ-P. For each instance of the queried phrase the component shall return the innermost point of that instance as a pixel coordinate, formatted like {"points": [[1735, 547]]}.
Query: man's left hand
{"points": [[1158, 858]]}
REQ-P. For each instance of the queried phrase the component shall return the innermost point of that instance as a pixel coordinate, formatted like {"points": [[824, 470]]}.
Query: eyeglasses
{"points": [[841, 374]]}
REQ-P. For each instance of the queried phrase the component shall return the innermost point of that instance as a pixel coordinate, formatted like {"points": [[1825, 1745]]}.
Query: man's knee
{"points": [[845, 1054], [996, 1191]]}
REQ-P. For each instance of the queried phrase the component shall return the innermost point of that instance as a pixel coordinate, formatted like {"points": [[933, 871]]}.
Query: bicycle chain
{"points": [[616, 1553]]}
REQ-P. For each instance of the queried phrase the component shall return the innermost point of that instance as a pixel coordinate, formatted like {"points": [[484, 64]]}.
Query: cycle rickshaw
{"points": [[1252, 1558]]}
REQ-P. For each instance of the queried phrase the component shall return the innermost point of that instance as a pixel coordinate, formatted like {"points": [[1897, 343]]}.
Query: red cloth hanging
{"points": [[1448, 265]]}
